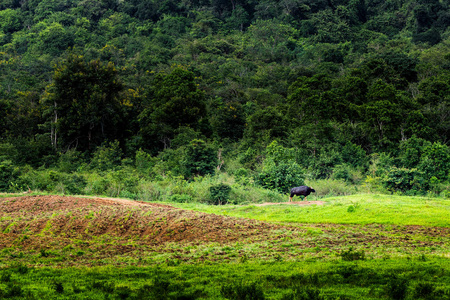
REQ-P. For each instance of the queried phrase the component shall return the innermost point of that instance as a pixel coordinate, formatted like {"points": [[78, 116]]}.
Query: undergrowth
{"points": [[398, 279]]}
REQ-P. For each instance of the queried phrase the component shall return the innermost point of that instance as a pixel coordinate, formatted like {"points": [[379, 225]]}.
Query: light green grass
{"points": [[367, 209]]}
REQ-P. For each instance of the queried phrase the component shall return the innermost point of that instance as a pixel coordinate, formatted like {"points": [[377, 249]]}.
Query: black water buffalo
{"points": [[301, 191]]}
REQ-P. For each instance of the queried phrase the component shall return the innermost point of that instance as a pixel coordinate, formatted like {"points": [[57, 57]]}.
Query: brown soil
{"points": [[69, 218]]}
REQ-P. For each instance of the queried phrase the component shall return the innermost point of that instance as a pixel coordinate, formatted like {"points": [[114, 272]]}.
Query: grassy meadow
{"points": [[363, 246], [353, 209]]}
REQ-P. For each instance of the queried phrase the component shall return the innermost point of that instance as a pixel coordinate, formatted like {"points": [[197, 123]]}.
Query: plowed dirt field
{"points": [[62, 230]]}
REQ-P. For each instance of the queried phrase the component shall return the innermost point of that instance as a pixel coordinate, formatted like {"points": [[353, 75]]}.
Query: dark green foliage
{"points": [[403, 179], [5, 276], [397, 287], [7, 175], [242, 291], [103, 286], [58, 287], [337, 80], [411, 151], [107, 157], [351, 255], [424, 290], [200, 159], [304, 293], [123, 292], [354, 155], [266, 125], [230, 121], [75, 184], [436, 161], [281, 176], [280, 170], [70, 161], [219, 194], [13, 290], [21, 269], [175, 101], [83, 104]]}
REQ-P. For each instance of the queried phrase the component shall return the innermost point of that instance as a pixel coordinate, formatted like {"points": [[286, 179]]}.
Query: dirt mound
{"points": [[87, 219]]}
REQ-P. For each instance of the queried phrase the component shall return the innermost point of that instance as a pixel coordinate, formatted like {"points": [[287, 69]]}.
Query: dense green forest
{"points": [[273, 93]]}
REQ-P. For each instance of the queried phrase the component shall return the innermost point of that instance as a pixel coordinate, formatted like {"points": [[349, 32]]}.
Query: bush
{"points": [[183, 198], [107, 157], [351, 255], [402, 179], [242, 291], [144, 162], [13, 290], [342, 172], [330, 187], [304, 293], [149, 191], [397, 287], [200, 159], [219, 194], [70, 161], [75, 184], [281, 177], [7, 175], [424, 290]]}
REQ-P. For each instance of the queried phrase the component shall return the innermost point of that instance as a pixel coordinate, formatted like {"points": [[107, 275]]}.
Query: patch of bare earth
{"points": [[76, 230]]}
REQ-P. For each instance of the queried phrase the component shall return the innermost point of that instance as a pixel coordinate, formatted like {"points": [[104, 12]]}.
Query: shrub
{"points": [[241, 176], [183, 198], [13, 290], [75, 184], [107, 157], [331, 187], [149, 191], [70, 161], [58, 287], [128, 195], [304, 293], [351, 255], [7, 174], [123, 292], [424, 290], [219, 194], [342, 172], [242, 291], [200, 158], [397, 287], [5, 276], [281, 176], [402, 179], [354, 155], [144, 162]]}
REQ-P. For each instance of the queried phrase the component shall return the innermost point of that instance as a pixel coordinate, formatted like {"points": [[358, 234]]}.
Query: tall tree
{"points": [[174, 101], [83, 103]]}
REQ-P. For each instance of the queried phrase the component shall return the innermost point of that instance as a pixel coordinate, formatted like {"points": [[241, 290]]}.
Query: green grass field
{"points": [[353, 247], [355, 209]]}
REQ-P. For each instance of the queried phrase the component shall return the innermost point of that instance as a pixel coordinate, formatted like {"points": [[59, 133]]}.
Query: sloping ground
{"points": [[61, 230], [83, 218]]}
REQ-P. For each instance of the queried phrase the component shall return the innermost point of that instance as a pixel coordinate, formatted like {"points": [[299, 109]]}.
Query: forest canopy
{"points": [[273, 88]]}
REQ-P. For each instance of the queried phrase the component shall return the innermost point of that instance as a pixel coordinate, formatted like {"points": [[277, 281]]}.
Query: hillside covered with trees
{"points": [[100, 96]]}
